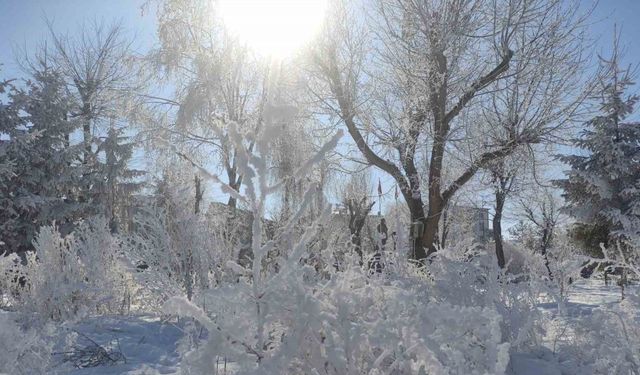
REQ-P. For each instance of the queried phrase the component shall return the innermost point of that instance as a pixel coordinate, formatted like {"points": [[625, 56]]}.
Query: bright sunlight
{"points": [[273, 27]]}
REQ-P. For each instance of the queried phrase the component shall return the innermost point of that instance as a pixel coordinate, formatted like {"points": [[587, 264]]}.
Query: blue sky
{"points": [[22, 25]]}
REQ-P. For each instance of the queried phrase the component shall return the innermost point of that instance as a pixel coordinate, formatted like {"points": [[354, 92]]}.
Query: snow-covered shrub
{"points": [[289, 314], [564, 263], [351, 324], [607, 341], [12, 277], [180, 250], [473, 279], [77, 274], [22, 351], [177, 250]]}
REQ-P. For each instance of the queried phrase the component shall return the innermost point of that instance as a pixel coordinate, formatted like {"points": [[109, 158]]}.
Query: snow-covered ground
{"points": [[584, 295], [149, 345], [582, 298]]}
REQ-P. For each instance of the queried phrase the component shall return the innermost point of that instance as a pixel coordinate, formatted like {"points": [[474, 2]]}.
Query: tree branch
{"points": [[347, 116], [481, 162], [479, 85]]}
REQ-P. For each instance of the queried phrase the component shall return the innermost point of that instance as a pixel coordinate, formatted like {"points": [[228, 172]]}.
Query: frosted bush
{"points": [[75, 275], [351, 324], [291, 314], [605, 342], [12, 272], [22, 351], [475, 280], [180, 251], [157, 243]]}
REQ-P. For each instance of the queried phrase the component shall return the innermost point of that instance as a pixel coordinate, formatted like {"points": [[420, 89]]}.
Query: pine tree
{"points": [[603, 185], [45, 174], [117, 180], [12, 138]]}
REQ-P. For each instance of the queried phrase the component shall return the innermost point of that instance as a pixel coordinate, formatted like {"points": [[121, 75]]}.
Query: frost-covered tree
{"points": [[10, 122], [215, 80], [543, 214], [45, 180], [602, 186], [99, 73], [412, 73], [117, 181]]}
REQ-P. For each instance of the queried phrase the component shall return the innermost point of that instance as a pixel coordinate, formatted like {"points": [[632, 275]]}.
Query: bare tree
{"points": [[425, 72], [98, 65], [216, 82], [358, 211], [503, 183], [544, 214]]}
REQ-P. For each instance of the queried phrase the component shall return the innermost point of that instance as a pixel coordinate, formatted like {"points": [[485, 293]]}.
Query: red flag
{"points": [[379, 187]]}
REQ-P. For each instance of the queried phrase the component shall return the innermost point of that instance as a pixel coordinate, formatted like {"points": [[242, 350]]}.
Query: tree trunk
{"points": [[546, 240], [432, 223], [417, 216], [430, 237], [199, 194], [232, 202], [445, 228], [436, 199], [358, 212], [235, 182], [86, 127], [497, 227]]}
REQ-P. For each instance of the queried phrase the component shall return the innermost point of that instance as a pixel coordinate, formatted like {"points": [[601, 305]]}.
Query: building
{"points": [[467, 222]]}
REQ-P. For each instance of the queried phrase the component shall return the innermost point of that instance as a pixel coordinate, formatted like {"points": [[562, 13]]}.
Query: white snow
{"points": [[150, 344], [147, 343]]}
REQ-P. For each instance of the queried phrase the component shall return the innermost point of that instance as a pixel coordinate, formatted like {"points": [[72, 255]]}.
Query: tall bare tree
{"points": [[416, 72], [98, 65]]}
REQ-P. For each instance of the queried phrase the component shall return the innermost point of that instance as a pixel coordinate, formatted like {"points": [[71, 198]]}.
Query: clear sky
{"points": [[624, 13], [22, 25]]}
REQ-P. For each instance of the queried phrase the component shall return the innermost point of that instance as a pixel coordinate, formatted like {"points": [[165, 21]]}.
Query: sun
{"points": [[275, 28]]}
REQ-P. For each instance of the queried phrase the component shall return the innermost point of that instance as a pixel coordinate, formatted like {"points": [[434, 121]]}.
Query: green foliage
{"points": [[590, 236]]}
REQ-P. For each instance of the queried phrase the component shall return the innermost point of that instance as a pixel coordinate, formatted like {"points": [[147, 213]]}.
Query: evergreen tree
{"points": [[602, 190], [12, 138], [45, 174], [117, 182]]}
